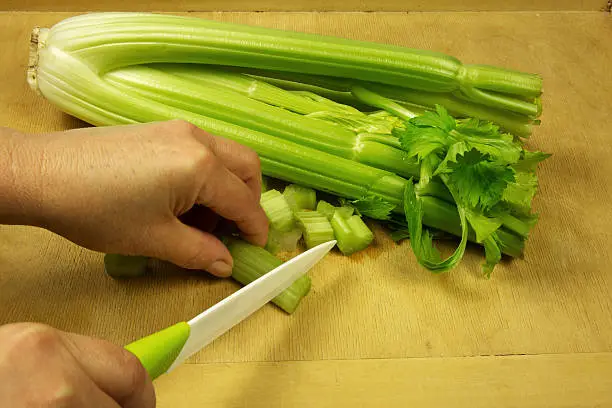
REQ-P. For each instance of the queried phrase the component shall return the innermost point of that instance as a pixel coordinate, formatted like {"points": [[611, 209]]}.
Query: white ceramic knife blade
{"points": [[218, 319]]}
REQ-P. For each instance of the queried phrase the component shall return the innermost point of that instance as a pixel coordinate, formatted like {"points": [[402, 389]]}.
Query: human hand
{"points": [[43, 367], [128, 189]]}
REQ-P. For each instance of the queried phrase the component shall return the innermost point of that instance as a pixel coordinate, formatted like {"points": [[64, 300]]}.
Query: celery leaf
{"points": [[520, 192], [500, 149], [479, 183], [530, 160], [373, 207], [492, 255], [482, 225], [458, 148], [476, 127], [422, 142], [440, 119]]}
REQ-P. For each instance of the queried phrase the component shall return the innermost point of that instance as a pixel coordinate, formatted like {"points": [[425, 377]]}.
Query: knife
{"points": [[162, 351]]}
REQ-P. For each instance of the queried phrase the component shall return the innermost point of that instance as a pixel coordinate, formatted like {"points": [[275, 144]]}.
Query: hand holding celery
{"points": [[288, 223], [133, 199]]}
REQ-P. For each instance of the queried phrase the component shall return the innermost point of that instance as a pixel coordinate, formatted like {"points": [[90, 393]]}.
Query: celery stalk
{"points": [[226, 104], [372, 99], [343, 97], [227, 78], [252, 262], [106, 41], [339, 90], [515, 123], [435, 189]]}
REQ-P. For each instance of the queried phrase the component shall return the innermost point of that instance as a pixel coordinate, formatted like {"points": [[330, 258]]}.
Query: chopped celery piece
{"points": [[124, 266], [252, 262], [300, 198], [315, 226], [277, 209], [283, 241], [345, 211], [351, 232], [326, 209]]}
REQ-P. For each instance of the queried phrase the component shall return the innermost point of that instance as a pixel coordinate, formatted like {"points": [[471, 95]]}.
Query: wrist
{"points": [[20, 202]]}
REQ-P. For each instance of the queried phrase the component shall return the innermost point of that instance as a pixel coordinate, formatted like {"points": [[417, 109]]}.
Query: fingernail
{"points": [[220, 268]]}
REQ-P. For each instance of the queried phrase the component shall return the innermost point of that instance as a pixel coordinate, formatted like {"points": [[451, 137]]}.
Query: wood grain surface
{"points": [[378, 304], [572, 381], [304, 5]]}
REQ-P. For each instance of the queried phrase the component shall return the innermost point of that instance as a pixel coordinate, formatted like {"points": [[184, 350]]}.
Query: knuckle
{"points": [[192, 158], [184, 126], [253, 161], [201, 160], [34, 336]]}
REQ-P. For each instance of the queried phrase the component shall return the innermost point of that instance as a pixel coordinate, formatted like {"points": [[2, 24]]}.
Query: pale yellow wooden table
{"points": [[377, 330]]}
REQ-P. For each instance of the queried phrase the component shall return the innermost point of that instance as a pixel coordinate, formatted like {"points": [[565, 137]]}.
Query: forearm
{"points": [[19, 201]]}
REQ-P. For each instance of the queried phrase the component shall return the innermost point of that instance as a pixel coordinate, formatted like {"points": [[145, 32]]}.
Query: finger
{"points": [[229, 197], [191, 248], [239, 159], [114, 370], [91, 395]]}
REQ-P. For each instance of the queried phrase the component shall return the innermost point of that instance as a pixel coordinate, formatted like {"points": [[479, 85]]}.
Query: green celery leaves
{"points": [[490, 176], [479, 183]]}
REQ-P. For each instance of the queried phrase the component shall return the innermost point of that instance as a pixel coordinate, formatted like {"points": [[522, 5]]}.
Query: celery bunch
{"points": [[359, 120]]}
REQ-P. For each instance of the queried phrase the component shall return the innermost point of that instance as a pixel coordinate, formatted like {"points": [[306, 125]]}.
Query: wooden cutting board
{"points": [[378, 315]]}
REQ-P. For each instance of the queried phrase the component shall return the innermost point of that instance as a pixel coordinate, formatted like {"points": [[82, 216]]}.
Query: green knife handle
{"points": [[158, 351]]}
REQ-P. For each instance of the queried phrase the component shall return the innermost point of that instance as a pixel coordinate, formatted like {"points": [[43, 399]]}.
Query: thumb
{"points": [[191, 248]]}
